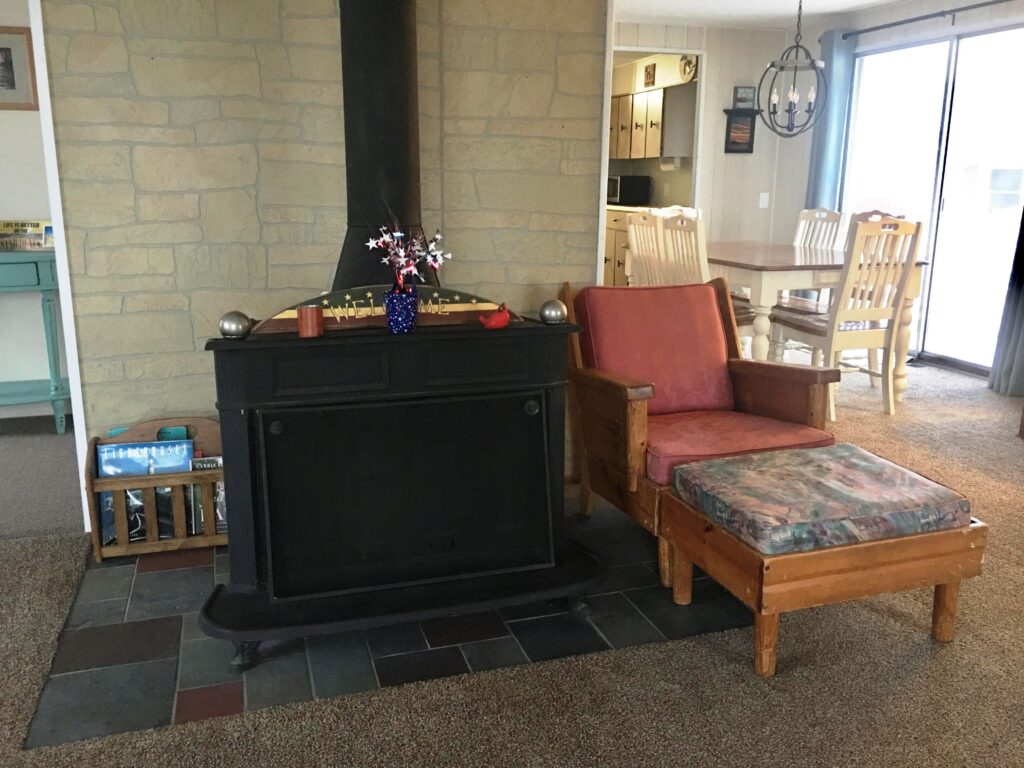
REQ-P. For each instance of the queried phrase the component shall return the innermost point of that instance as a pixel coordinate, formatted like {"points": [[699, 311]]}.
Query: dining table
{"points": [[767, 268]]}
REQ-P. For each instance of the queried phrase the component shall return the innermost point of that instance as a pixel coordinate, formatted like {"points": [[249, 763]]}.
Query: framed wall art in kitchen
{"points": [[17, 70]]}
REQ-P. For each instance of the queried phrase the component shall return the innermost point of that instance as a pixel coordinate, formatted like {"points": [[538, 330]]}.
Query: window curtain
{"points": [[1007, 375], [826, 170]]}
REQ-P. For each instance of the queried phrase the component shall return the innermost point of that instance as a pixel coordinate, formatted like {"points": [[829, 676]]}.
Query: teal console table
{"points": [[22, 271]]}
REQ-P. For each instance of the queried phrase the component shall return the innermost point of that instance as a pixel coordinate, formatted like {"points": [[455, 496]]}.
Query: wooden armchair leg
{"points": [[766, 637], [944, 611], [682, 578], [664, 562]]}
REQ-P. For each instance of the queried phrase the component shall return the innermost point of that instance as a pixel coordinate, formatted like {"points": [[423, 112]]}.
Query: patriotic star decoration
{"points": [[404, 255]]}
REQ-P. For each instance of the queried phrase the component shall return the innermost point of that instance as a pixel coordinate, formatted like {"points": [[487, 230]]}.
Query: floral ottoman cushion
{"points": [[804, 499]]}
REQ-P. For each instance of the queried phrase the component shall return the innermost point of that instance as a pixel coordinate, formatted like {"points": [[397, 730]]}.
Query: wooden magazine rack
{"points": [[205, 434]]}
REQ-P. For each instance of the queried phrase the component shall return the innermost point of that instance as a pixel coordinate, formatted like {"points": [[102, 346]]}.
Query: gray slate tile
{"points": [[712, 610], [553, 637], [205, 662], [96, 614], [105, 584], [421, 665], [117, 644], [398, 638], [494, 654], [99, 702], [165, 593], [340, 664], [278, 680], [620, 622]]}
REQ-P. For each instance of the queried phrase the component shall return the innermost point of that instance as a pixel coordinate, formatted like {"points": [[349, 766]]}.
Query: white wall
{"points": [[729, 186], [23, 195]]}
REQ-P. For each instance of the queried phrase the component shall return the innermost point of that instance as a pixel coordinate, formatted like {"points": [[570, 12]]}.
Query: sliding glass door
{"points": [[935, 135], [981, 200]]}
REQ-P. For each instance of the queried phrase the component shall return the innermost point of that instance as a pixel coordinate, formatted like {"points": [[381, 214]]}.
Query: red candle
{"points": [[311, 322]]}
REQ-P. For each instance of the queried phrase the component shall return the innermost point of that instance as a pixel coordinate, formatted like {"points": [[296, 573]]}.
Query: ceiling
{"points": [[776, 14]]}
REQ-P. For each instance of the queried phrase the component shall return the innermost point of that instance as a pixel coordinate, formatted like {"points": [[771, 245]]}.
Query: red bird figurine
{"points": [[496, 320]]}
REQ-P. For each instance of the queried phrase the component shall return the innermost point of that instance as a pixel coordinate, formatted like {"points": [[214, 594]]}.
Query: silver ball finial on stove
{"points": [[235, 325], [553, 312]]}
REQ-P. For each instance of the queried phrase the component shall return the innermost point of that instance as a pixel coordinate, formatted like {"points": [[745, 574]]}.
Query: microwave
{"points": [[629, 190]]}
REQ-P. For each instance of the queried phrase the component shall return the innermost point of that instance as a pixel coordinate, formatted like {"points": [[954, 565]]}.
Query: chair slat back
{"points": [[644, 234], [817, 228], [879, 260], [685, 257], [856, 218]]}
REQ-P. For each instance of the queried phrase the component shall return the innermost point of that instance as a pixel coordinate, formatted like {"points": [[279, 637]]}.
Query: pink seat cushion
{"points": [[671, 336], [681, 438]]}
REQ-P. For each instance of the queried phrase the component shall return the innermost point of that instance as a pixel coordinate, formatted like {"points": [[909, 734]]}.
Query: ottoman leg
{"points": [[682, 578], [664, 562], [766, 636], [944, 611]]}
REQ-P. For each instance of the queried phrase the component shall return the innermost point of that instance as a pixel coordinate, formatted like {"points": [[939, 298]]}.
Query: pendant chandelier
{"points": [[793, 90]]}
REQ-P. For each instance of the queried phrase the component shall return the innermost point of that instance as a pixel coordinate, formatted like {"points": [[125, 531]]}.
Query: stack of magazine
{"points": [[25, 235], [155, 458]]}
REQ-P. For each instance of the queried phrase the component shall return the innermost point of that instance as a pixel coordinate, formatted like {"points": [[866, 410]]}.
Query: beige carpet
{"points": [[858, 685]]}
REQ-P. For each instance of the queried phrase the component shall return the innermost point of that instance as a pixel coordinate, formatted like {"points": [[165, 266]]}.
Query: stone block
{"points": [[290, 255], [232, 131], [197, 49], [124, 133], [301, 184], [560, 128], [492, 94], [108, 20], [581, 167], [469, 48], [185, 169], [73, 17], [168, 366], [97, 54], [285, 233], [57, 53], [537, 192], [526, 51], [568, 43], [317, 94], [156, 302], [330, 227], [489, 220], [551, 222], [182, 18], [168, 207], [192, 111], [501, 153], [117, 112], [98, 371], [220, 266], [312, 277], [148, 233], [273, 60], [569, 105], [76, 249], [321, 154], [257, 109], [283, 214], [229, 216], [428, 36], [430, 189], [581, 73], [94, 163], [98, 304], [459, 191], [106, 262], [305, 31], [87, 284], [209, 305], [93, 85], [101, 336], [328, 8], [429, 72], [576, 16], [126, 402], [248, 19], [325, 124], [462, 127], [315, 63], [181, 77], [98, 204]]}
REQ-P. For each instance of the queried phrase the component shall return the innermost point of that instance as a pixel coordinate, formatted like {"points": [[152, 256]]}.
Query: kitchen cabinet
{"points": [[616, 248], [638, 130], [622, 115], [652, 138], [680, 115]]}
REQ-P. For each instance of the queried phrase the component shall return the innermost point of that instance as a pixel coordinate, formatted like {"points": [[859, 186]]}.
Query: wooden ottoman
{"points": [[793, 529]]}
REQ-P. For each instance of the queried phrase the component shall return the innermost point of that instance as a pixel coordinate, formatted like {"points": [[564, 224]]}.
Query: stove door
{"points": [[372, 495]]}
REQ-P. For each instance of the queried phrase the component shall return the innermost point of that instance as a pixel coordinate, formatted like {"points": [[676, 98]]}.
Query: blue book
{"points": [[134, 459]]}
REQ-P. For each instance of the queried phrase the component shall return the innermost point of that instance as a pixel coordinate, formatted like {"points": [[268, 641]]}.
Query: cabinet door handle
{"points": [[638, 126], [276, 428], [606, 259], [654, 123], [620, 263], [532, 408]]}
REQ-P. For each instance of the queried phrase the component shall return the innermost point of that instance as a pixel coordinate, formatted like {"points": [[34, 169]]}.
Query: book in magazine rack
{"points": [[205, 434]]}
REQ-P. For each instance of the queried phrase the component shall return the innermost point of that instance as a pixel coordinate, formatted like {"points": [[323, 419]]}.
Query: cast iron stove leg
{"points": [[247, 656]]}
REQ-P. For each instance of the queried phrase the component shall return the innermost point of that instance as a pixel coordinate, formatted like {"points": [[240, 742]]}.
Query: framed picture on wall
{"points": [[743, 97], [17, 70], [739, 131]]}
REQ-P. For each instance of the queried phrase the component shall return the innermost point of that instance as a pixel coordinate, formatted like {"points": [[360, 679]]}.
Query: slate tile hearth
{"points": [[132, 655]]}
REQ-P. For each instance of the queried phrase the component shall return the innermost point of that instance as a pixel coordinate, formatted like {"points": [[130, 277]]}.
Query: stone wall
{"points": [[202, 160]]}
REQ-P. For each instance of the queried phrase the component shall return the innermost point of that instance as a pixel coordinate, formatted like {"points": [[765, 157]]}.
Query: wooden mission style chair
{"points": [[658, 381]]}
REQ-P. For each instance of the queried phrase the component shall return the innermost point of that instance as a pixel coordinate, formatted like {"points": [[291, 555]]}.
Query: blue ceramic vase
{"points": [[400, 307]]}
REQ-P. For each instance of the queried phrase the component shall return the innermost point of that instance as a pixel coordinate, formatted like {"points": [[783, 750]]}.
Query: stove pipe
{"points": [[382, 145]]}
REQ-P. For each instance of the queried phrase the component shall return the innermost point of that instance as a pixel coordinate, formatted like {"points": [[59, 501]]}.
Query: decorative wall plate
{"points": [[687, 67]]}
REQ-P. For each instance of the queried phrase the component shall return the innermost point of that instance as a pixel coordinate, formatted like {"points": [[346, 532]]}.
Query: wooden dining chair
{"points": [[817, 228], [643, 231], [685, 250], [866, 305]]}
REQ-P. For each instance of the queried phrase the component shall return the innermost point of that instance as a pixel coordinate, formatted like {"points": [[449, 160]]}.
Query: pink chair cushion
{"points": [[671, 336], [681, 438]]}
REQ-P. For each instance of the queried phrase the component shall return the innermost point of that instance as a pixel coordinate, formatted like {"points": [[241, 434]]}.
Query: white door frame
{"points": [[61, 250]]}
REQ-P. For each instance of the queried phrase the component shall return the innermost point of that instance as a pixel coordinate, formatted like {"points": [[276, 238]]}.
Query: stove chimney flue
{"points": [[382, 147]]}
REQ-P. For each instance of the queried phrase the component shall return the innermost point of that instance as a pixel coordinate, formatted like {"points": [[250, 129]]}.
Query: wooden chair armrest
{"points": [[613, 418], [794, 393], [803, 374], [612, 383]]}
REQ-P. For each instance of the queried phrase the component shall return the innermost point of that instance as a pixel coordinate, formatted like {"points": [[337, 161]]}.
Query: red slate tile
{"points": [[170, 561], [212, 701]]}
